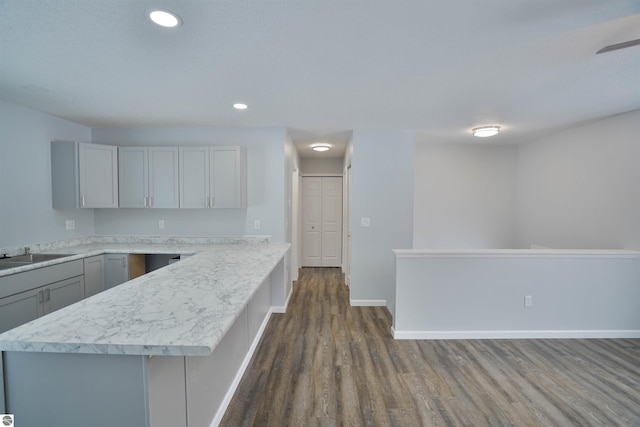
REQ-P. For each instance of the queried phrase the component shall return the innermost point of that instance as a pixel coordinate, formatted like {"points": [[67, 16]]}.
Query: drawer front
{"points": [[27, 280]]}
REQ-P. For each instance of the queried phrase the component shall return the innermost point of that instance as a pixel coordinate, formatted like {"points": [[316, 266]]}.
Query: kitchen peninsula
{"points": [[164, 349]]}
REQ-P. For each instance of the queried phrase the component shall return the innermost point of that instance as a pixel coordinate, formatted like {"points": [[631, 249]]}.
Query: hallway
{"points": [[326, 363]]}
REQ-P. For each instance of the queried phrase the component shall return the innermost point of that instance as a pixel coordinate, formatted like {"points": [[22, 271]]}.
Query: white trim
{"points": [[320, 174], [245, 363], [516, 253], [524, 334], [368, 303], [280, 308]]}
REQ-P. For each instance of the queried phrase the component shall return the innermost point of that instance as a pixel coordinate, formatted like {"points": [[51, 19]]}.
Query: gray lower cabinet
{"points": [[61, 294], [28, 295], [21, 308], [93, 275], [24, 307], [116, 269], [31, 294]]}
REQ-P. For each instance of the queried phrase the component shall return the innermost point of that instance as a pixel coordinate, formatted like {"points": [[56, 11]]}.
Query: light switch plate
{"points": [[365, 222], [70, 224], [256, 224], [161, 224]]}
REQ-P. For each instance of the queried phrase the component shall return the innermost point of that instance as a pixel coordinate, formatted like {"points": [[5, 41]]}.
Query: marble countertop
{"points": [[183, 309]]}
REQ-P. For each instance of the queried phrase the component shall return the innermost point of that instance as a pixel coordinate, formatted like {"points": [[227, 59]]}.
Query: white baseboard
{"points": [[368, 303], [473, 335], [283, 308], [240, 373]]}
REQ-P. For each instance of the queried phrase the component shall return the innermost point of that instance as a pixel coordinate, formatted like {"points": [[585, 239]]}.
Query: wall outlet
{"points": [[365, 222], [528, 301], [70, 224], [256, 224], [161, 224]]}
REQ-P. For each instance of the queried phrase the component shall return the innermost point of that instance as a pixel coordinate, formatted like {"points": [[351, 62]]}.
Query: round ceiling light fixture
{"points": [[164, 18], [485, 131], [320, 147], [240, 106]]}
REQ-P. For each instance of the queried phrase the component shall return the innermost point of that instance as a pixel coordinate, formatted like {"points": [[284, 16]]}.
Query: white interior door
{"points": [[311, 221], [331, 221], [322, 221]]}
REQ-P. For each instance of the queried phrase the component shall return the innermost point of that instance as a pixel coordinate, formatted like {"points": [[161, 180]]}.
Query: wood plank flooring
{"points": [[324, 363]]}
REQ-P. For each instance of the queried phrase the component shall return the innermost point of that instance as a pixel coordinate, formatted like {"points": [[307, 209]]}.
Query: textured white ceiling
{"points": [[323, 68]]}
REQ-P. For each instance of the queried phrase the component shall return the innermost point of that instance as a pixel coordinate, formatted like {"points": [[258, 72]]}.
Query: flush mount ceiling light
{"points": [[485, 131], [320, 147], [165, 18], [240, 106]]}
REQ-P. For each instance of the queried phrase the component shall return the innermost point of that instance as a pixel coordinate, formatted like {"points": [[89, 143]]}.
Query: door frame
{"points": [[346, 226], [296, 225]]}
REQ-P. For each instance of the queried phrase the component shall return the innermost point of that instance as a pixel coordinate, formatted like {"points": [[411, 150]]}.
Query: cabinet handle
{"points": [[206, 202], [144, 202], [124, 264], [47, 295], [40, 296], [82, 201], [213, 202], [150, 202]]}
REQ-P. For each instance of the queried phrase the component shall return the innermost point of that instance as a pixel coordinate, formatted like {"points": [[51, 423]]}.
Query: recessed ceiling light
{"points": [[485, 131], [320, 147], [240, 106], [165, 18]]}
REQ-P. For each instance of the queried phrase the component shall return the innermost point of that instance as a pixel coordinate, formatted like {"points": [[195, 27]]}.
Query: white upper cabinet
{"points": [[84, 175], [133, 176], [213, 177], [194, 177], [148, 177]]}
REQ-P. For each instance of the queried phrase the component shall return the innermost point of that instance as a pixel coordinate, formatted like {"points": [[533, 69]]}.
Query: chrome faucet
{"points": [[27, 250]]}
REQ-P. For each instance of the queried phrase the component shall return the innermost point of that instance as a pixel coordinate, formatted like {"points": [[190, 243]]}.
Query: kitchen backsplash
{"points": [[52, 246]]}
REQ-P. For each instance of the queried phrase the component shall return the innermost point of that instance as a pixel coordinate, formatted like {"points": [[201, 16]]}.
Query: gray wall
{"points": [[314, 165], [465, 196], [266, 185], [581, 188], [26, 215], [382, 175]]}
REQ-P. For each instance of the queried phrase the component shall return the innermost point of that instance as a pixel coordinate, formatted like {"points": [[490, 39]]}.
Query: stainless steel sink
{"points": [[27, 259], [4, 265], [31, 258]]}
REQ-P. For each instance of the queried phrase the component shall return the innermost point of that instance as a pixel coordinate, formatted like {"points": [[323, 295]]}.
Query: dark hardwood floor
{"points": [[324, 363]]}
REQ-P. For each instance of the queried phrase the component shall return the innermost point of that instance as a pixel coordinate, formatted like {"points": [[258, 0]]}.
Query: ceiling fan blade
{"points": [[619, 46]]}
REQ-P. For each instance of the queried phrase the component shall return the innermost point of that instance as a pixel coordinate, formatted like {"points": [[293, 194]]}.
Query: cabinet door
{"points": [[225, 177], [116, 269], [194, 177], [133, 177], [98, 167], [61, 294], [93, 275], [163, 177], [21, 308]]}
